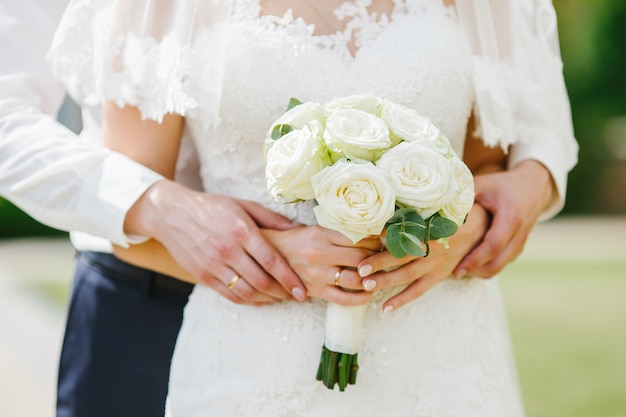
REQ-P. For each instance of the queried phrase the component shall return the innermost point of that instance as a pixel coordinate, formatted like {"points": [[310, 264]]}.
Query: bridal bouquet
{"points": [[373, 167]]}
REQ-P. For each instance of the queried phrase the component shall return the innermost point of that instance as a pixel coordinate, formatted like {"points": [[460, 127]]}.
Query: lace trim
{"points": [[362, 26], [158, 76], [169, 76]]}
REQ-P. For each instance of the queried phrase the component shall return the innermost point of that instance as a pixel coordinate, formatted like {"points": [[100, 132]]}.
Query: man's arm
{"points": [[531, 190], [44, 169]]}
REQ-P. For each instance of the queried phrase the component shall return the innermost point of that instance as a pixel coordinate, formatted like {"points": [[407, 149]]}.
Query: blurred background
{"points": [[566, 295]]}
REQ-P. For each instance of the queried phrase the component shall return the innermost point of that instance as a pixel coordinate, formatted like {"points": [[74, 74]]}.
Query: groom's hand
{"points": [[214, 236], [515, 199]]}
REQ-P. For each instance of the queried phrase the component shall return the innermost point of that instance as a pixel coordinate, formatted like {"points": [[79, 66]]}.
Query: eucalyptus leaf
{"points": [[398, 216], [281, 130], [293, 102], [406, 215], [417, 230], [441, 227], [414, 217], [393, 241], [411, 244]]}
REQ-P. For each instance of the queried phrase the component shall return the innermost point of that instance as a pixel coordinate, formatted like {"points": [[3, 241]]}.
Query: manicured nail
{"points": [[298, 294], [388, 309], [369, 284], [460, 274], [365, 270]]}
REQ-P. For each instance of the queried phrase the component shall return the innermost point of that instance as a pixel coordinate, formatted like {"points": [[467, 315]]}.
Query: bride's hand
{"points": [[325, 261], [421, 273]]}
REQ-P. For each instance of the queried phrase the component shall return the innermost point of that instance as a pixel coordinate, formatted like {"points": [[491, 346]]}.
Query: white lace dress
{"points": [[445, 354]]}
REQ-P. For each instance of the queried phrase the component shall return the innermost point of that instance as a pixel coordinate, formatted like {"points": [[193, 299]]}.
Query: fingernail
{"points": [[388, 309], [460, 274], [298, 294], [365, 270], [369, 284]]}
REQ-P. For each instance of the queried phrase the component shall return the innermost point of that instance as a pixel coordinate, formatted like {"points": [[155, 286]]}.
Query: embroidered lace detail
{"points": [[159, 75], [444, 354], [362, 26], [421, 58]]}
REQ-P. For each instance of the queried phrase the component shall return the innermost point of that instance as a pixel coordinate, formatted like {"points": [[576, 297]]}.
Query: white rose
{"points": [[353, 199], [368, 103], [407, 124], [291, 162], [457, 209], [356, 134], [421, 178], [299, 116]]}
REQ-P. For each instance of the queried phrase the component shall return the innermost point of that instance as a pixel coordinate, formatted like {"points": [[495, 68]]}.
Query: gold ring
{"points": [[233, 281], [337, 275]]}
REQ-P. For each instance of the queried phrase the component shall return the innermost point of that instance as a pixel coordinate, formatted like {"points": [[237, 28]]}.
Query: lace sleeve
{"points": [[143, 53], [521, 98], [520, 91]]}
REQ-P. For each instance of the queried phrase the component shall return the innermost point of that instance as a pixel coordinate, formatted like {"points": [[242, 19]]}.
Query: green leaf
{"points": [[293, 102], [281, 130], [441, 227], [419, 231], [393, 241], [411, 244], [406, 215]]}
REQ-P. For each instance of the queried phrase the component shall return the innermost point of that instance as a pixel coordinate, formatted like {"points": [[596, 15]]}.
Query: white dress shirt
{"points": [[66, 181]]}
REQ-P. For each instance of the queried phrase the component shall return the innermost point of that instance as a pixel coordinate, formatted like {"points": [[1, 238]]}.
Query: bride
{"points": [[220, 73]]}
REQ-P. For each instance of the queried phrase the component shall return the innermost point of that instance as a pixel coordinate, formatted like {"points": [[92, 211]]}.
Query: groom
{"points": [[123, 321]]}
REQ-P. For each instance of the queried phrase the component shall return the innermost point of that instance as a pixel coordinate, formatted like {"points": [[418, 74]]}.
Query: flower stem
{"points": [[337, 368]]}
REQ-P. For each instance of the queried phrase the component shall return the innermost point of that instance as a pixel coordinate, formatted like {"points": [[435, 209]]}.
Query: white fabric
{"points": [[120, 50], [520, 94], [446, 354], [66, 183], [231, 73]]}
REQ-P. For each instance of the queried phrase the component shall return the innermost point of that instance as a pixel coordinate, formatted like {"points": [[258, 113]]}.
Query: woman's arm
{"points": [[213, 237], [479, 158]]}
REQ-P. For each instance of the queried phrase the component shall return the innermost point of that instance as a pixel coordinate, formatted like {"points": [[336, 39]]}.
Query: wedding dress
{"points": [[444, 354]]}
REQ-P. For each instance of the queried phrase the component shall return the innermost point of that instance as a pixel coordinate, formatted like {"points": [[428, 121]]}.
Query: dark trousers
{"points": [[121, 330]]}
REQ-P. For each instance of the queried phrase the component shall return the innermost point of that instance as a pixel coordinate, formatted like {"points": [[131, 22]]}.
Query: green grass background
{"points": [[568, 324]]}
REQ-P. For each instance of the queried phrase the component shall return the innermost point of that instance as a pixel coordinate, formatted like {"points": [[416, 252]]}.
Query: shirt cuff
{"points": [[119, 182], [550, 154]]}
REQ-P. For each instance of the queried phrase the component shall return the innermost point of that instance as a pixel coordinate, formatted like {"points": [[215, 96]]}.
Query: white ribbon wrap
{"points": [[344, 328]]}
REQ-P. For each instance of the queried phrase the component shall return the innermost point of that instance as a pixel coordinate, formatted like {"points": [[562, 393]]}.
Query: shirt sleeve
{"points": [[44, 168], [558, 157]]}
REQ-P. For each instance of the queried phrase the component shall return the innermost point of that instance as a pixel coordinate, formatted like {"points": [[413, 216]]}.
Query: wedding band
{"points": [[337, 275], [233, 281]]}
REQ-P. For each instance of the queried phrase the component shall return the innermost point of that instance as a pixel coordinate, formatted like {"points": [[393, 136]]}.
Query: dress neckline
{"points": [[360, 28]]}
